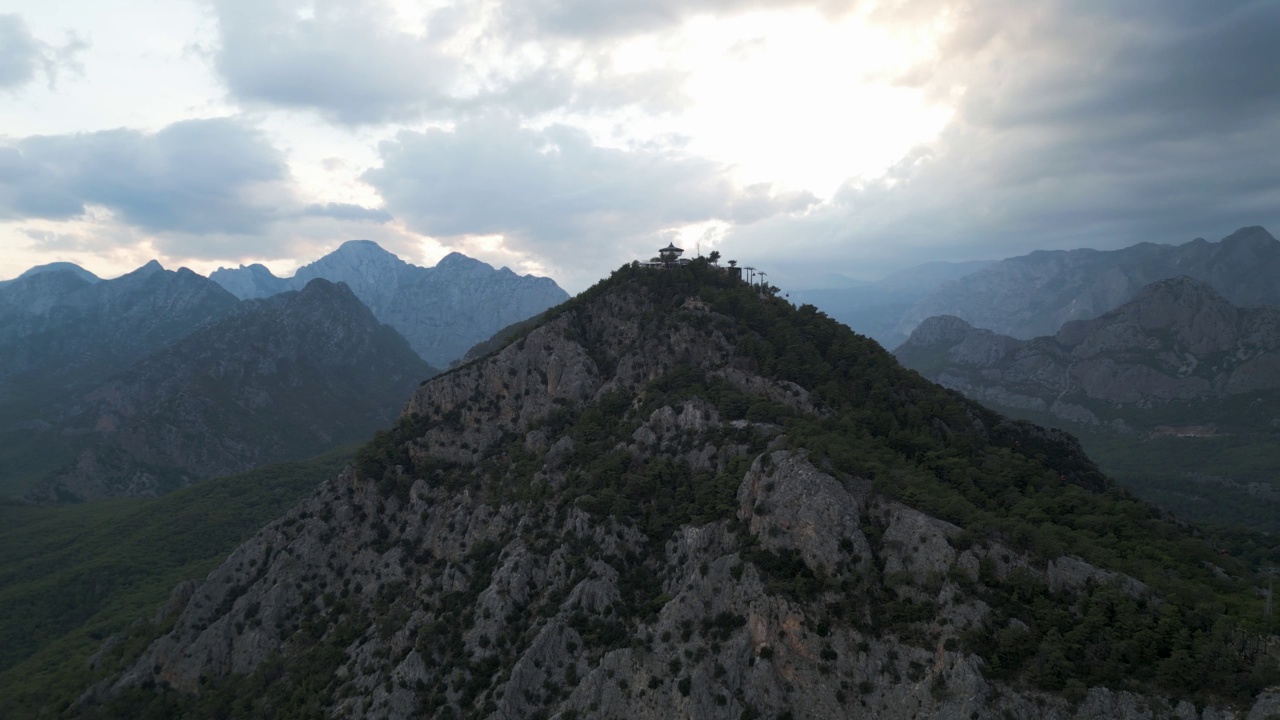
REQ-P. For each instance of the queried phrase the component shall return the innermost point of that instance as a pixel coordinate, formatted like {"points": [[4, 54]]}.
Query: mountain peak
{"points": [[249, 281], [1181, 287], [441, 310], [62, 267], [938, 329], [1252, 236], [363, 258], [363, 248], [457, 261], [322, 288], [152, 267]]}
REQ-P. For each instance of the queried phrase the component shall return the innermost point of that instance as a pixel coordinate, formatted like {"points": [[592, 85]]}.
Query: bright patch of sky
{"points": [[791, 97]]}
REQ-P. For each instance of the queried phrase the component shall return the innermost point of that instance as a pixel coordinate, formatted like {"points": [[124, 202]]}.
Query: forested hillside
{"points": [[677, 494]]}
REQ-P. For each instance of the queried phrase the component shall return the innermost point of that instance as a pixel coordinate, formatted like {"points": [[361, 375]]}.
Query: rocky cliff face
{"points": [[278, 379], [1032, 295], [636, 510], [1178, 340], [443, 311]]}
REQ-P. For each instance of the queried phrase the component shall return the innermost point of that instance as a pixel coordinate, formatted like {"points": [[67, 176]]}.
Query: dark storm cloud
{"points": [[23, 57], [195, 177], [346, 211], [1080, 124], [553, 192]]}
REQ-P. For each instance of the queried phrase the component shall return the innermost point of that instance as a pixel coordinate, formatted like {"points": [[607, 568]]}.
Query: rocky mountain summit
{"points": [[677, 497], [277, 379], [1178, 340], [1033, 295], [442, 311]]}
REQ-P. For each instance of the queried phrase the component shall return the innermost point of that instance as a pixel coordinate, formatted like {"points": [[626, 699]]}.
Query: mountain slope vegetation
{"points": [[677, 495], [1177, 392], [73, 575], [278, 379], [62, 331]]}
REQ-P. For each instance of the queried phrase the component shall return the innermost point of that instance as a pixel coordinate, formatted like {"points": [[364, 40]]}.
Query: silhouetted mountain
{"points": [[279, 379], [679, 497], [1034, 294], [442, 311]]}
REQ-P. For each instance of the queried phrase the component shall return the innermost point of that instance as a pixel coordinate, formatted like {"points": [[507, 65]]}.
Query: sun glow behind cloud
{"points": [[789, 97]]}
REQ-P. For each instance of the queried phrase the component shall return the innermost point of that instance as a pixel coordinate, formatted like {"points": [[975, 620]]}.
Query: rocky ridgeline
{"points": [[467, 566], [1177, 341], [1033, 295], [442, 311]]}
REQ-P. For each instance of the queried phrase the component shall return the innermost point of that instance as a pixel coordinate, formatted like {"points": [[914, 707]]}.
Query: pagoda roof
{"points": [[671, 248]]}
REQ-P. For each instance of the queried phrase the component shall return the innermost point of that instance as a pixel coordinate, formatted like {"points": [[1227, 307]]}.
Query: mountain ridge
{"points": [[442, 310], [1032, 295], [677, 495], [1178, 339], [277, 379]]}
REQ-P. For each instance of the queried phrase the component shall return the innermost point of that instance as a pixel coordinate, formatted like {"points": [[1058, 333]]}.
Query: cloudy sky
{"points": [[565, 137]]}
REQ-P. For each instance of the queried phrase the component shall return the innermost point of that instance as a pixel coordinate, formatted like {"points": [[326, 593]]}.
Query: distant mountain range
{"points": [[150, 381], [1176, 390], [1177, 341], [442, 311], [61, 329], [275, 379], [1032, 295]]}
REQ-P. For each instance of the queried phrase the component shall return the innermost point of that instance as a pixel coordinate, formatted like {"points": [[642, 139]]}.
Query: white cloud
{"points": [[23, 57]]}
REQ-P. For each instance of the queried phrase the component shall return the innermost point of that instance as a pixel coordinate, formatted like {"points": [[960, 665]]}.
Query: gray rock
{"points": [[442, 311]]}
